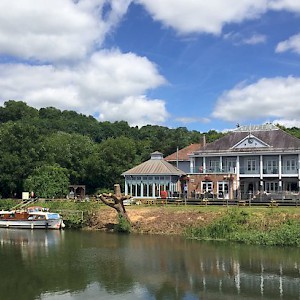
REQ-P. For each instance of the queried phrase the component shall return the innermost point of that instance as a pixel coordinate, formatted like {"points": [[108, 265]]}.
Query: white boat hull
{"points": [[32, 224]]}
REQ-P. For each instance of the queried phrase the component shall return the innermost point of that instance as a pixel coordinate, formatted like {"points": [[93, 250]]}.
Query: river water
{"points": [[53, 265]]}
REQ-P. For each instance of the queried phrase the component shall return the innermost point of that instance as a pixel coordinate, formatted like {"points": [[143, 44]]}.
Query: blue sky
{"points": [[198, 64]]}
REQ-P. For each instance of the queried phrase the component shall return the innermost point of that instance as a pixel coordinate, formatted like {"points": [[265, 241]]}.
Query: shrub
{"points": [[123, 225], [235, 227]]}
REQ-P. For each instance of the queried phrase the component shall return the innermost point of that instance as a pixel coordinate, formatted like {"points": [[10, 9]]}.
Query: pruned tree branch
{"points": [[116, 201]]}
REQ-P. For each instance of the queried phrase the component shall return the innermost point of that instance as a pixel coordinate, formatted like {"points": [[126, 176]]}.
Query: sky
{"points": [[187, 63]]}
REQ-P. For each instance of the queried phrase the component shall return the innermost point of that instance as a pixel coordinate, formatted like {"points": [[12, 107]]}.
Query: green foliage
{"points": [[70, 151], [74, 221], [48, 182], [235, 226], [94, 153], [113, 157], [222, 228], [123, 225], [286, 234], [7, 204], [103, 191], [21, 149], [17, 110]]}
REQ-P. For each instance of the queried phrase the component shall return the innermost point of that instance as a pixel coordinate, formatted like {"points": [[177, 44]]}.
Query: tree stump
{"points": [[116, 201]]}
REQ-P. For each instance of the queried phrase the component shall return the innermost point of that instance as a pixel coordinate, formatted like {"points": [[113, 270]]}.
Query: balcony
{"points": [[245, 171], [216, 170], [289, 170], [271, 171]]}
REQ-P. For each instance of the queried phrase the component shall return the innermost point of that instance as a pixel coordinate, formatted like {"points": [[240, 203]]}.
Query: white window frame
{"points": [[271, 165], [251, 165], [207, 186]]}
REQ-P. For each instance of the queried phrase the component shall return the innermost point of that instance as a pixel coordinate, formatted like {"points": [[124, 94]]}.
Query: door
{"points": [[223, 190]]}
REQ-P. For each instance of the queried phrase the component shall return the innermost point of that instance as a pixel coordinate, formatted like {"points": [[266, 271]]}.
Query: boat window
{"points": [[53, 216]]}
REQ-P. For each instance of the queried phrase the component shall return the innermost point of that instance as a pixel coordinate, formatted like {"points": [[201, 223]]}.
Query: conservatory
{"points": [[152, 177]]}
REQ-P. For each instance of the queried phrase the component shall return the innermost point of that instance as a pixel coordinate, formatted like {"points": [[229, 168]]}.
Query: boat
{"points": [[34, 217]]}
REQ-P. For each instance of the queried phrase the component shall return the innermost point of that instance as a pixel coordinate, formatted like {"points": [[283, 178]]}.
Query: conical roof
{"points": [[156, 165]]}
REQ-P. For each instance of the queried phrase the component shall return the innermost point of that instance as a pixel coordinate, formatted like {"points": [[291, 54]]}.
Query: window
{"points": [[207, 187], [214, 165], [229, 164], [223, 190], [290, 165], [272, 166], [271, 187], [251, 165]]}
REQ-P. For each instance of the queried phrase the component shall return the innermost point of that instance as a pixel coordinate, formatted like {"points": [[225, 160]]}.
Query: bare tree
{"points": [[116, 201]]}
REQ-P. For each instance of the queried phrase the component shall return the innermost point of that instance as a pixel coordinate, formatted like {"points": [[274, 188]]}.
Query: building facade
{"points": [[245, 163], [152, 177]]}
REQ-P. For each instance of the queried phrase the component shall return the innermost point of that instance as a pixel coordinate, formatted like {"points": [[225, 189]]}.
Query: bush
{"points": [[222, 228], [123, 225], [235, 227]]}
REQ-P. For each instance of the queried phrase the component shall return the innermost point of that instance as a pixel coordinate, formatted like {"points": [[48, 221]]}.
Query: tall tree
{"points": [[48, 182], [17, 110], [70, 151], [21, 151], [111, 158]]}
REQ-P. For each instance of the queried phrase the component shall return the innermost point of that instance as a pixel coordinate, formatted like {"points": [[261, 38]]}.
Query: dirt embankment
{"points": [[153, 220]]}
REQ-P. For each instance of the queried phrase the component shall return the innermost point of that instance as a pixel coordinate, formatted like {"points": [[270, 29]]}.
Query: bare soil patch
{"points": [[154, 220]]}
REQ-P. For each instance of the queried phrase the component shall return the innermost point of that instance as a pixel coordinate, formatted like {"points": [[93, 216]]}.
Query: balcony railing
{"points": [[250, 172], [243, 171], [216, 170]]}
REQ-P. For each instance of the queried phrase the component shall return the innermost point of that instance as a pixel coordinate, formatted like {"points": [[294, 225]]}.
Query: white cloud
{"points": [[238, 39], [187, 120], [137, 111], [194, 16], [287, 123], [267, 98], [62, 36], [290, 5], [110, 84], [255, 39], [293, 44], [56, 30]]}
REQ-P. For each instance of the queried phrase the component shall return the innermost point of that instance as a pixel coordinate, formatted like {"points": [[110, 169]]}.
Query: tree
{"points": [[116, 201], [21, 152], [17, 110], [113, 157], [48, 182], [70, 151]]}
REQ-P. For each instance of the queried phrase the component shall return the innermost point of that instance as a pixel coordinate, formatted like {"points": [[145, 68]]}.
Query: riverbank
{"points": [[252, 225], [261, 226], [155, 220]]}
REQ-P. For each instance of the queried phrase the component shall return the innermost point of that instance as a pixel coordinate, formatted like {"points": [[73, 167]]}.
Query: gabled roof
{"points": [[251, 141], [183, 154], [154, 166], [269, 137]]}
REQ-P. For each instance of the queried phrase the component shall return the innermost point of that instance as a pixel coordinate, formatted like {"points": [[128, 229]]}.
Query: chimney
{"points": [[203, 141]]}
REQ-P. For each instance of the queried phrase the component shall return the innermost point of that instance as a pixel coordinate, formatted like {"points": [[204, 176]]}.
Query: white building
{"points": [[245, 163]]}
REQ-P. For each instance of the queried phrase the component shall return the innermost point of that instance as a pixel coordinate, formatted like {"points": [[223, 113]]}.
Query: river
{"points": [[54, 265]]}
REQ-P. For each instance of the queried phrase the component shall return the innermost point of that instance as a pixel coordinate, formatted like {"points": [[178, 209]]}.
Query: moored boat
{"points": [[34, 217]]}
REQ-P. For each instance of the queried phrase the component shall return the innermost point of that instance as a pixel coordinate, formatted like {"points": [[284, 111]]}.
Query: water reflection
{"points": [[93, 265], [29, 241]]}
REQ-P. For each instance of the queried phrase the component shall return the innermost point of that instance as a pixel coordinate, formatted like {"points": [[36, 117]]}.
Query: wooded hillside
{"points": [[49, 147]]}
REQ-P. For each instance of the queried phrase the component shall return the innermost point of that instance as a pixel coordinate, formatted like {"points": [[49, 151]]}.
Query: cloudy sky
{"points": [[194, 63]]}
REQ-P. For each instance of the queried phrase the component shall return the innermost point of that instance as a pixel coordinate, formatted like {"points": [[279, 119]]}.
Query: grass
{"points": [[250, 225], [258, 226]]}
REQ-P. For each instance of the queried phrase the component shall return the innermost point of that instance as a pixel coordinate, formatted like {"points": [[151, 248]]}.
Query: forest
{"points": [[44, 150]]}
